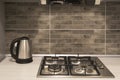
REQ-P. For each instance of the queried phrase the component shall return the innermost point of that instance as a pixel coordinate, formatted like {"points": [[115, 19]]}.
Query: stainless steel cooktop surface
{"points": [[73, 67]]}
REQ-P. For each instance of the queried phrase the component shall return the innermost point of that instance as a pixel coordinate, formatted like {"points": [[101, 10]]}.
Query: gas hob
{"points": [[73, 67]]}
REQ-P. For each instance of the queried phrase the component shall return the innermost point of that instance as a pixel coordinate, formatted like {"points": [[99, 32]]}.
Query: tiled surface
{"points": [[113, 15], [40, 44], [77, 17], [78, 41], [66, 29], [113, 28], [27, 16], [113, 42]]}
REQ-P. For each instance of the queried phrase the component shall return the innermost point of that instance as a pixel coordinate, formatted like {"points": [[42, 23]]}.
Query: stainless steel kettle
{"points": [[20, 50]]}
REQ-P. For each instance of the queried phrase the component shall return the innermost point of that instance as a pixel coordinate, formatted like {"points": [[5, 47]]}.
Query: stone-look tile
{"points": [[61, 48], [40, 39], [27, 16], [69, 49], [78, 41], [81, 24], [113, 42], [10, 8], [60, 10], [113, 15], [26, 9], [113, 22], [78, 17], [60, 34]]}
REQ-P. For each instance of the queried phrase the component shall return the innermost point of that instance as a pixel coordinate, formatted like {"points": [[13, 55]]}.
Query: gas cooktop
{"points": [[73, 67]]}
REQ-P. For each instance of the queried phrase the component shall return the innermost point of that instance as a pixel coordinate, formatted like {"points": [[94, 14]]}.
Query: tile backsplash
{"points": [[65, 29]]}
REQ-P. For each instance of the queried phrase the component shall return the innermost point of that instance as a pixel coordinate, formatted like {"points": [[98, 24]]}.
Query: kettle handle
{"points": [[14, 55]]}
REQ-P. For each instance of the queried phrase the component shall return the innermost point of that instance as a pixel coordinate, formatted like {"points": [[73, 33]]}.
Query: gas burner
{"points": [[84, 66], [89, 70], [56, 71], [62, 70], [79, 70], [76, 62], [54, 68]]}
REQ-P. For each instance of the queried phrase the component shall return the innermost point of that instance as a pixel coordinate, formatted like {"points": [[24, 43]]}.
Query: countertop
{"points": [[13, 71]]}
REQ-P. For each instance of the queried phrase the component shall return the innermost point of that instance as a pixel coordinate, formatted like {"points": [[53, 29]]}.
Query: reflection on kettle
{"points": [[20, 50]]}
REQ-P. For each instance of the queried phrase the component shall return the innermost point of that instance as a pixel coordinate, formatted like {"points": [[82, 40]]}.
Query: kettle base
{"points": [[23, 61]]}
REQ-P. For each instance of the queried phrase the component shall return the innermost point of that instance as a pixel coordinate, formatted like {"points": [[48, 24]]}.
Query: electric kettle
{"points": [[20, 50]]}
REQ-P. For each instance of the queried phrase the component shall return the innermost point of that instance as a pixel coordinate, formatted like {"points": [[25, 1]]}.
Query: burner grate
{"points": [[54, 66], [82, 66]]}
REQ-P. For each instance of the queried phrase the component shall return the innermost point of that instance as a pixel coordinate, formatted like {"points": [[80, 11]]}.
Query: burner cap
{"points": [[54, 68], [80, 70], [89, 70], [75, 62]]}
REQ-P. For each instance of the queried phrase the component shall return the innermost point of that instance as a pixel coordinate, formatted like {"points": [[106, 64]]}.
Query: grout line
{"points": [[61, 29], [105, 32], [50, 29], [57, 29], [77, 43]]}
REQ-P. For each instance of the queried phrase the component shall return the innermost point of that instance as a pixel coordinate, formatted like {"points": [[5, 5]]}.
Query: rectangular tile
{"points": [[113, 15], [113, 42], [26, 15], [40, 39], [78, 41], [78, 17]]}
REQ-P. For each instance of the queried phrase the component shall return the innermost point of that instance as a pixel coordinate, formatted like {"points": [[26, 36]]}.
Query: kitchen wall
{"points": [[65, 29], [2, 45]]}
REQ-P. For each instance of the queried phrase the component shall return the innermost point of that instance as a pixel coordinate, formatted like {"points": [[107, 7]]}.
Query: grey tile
{"points": [[78, 17], [60, 33], [82, 32], [113, 51], [27, 16], [113, 15], [60, 10], [41, 49], [81, 49], [78, 41], [40, 39], [26, 26], [60, 41], [113, 32], [60, 48], [113, 42]]}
